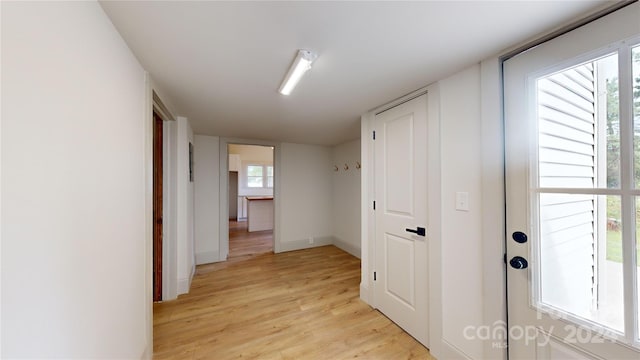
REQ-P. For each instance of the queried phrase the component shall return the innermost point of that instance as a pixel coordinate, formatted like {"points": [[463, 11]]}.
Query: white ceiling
{"points": [[220, 64]]}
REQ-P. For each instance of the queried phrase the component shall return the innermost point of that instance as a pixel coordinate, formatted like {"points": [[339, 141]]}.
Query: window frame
{"points": [[627, 190], [265, 175]]}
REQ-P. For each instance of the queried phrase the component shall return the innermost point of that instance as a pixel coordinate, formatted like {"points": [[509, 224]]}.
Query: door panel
{"points": [[400, 288], [400, 269], [569, 161], [398, 138]]}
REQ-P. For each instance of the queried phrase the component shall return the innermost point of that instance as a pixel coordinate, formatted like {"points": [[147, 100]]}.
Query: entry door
{"points": [[572, 125], [401, 216]]}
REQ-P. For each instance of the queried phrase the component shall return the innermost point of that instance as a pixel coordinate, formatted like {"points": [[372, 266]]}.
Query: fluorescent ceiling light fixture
{"points": [[300, 65]]}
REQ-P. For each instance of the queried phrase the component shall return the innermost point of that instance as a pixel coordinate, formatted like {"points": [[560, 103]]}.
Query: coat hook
{"points": [[335, 168], [358, 166], [346, 167]]}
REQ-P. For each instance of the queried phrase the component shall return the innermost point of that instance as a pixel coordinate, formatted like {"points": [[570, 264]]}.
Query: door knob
{"points": [[519, 263], [519, 237], [420, 231]]}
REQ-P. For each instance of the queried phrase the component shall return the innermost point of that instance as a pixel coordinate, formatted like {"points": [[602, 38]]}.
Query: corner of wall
{"points": [[304, 243], [184, 284], [364, 293], [348, 247], [146, 354], [207, 257]]}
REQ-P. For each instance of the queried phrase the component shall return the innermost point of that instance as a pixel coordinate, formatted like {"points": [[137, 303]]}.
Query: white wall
{"points": [[185, 208], [461, 231], [305, 195], [74, 277], [466, 272], [468, 291], [252, 152], [346, 197], [170, 209], [207, 198]]}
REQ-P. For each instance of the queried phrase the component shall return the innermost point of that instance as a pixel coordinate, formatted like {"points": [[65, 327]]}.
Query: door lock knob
{"points": [[519, 263]]}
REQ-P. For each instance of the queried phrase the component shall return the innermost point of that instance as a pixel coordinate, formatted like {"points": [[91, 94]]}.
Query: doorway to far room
{"points": [[251, 210]]}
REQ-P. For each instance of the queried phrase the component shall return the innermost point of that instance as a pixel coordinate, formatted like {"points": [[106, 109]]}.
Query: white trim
{"points": [[168, 206], [223, 235], [207, 257], [183, 285], [365, 294], [304, 243], [579, 191], [147, 330], [628, 202], [347, 247], [433, 211], [147, 185], [169, 213], [493, 216], [450, 352], [146, 354], [434, 222], [367, 215], [398, 101], [160, 108]]}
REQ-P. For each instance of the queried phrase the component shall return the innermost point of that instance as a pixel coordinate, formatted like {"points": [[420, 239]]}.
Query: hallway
{"points": [[294, 305]]}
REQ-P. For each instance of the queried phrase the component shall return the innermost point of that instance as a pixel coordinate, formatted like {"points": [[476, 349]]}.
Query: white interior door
{"points": [[572, 124], [401, 215]]}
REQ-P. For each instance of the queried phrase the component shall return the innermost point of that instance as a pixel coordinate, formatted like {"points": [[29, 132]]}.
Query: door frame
{"points": [[169, 153], [368, 237], [157, 205], [514, 51], [388, 305], [492, 209], [599, 46], [223, 249]]}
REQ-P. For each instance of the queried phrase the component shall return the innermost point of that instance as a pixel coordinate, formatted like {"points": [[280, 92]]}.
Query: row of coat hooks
{"points": [[346, 167]]}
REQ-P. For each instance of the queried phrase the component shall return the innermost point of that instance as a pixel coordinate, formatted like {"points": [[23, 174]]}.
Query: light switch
{"points": [[462, 201]]}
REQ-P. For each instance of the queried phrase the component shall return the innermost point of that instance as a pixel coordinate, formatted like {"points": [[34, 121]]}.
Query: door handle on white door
{"points": [[519, 263], [420, 231]]}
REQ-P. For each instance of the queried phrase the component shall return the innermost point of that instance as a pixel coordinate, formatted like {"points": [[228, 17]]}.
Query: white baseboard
{"points": [[146, 355], [304, 243], [365, 295], [184, 284], [446, 350], [207, 257], [350, 248]]}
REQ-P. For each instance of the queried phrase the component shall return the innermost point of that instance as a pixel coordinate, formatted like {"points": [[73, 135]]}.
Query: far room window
{"points": [[260, 176], [269, 176]]}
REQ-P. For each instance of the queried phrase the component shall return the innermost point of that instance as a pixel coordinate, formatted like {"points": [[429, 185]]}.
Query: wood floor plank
{"points": [[259, 305]]}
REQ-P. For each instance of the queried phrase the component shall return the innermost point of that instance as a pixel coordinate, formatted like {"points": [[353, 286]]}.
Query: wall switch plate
{"points": [[311, 240], [462, 201]]}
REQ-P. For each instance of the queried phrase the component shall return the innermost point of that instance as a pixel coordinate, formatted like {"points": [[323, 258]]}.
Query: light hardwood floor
{"points": [[295, 305], [244, 244]]}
